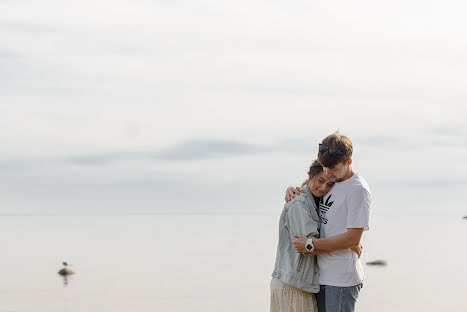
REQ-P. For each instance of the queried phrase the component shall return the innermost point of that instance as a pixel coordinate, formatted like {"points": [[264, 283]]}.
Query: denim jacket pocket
{"points": [[300, 262]]}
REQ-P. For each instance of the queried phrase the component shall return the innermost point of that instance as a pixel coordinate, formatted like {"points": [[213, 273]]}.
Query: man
{"points": [[344, 214]]}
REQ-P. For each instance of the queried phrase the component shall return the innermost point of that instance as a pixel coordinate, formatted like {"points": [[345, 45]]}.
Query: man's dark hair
{"points": [[335, 149]]}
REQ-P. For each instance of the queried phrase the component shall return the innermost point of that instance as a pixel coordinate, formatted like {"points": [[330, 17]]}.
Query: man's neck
{"points": [[348, 175]]}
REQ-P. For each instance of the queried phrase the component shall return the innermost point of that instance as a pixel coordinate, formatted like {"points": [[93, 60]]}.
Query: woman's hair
{"points": [[315, 169]]}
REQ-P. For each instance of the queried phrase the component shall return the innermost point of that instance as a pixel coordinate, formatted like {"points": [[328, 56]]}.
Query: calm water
{"points": [[213, 263]]}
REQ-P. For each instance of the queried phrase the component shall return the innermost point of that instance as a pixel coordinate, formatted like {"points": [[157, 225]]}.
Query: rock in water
{"points": [[377, 262], [65, 272]]}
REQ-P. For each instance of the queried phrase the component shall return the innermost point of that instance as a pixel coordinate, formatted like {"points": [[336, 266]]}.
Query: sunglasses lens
{"points": [[322, 148], [331, 151]]}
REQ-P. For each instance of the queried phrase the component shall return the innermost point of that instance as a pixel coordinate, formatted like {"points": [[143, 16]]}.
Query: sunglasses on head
{"points": [[331, 151]]}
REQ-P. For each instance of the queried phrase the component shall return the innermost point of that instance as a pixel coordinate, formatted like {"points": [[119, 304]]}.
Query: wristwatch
{"points": [[309, 245]]}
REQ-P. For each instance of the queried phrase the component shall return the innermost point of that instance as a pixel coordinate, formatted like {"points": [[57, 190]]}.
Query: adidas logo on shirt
{"points": [[324, 207]]}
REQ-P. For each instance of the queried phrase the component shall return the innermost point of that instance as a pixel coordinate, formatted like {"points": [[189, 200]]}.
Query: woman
{"points": [[295, 277]]}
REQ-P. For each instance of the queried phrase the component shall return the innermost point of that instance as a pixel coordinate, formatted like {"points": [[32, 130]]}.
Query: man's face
{"points": [[336, 173]]}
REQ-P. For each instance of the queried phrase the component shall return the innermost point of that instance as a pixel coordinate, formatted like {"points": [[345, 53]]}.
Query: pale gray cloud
{"points": [[99, 159], [447, 131], [268, 79], [426, 139], [27, 27], [193, 150], [206, 149], [189, 150], [378, 140], [7, 55]]}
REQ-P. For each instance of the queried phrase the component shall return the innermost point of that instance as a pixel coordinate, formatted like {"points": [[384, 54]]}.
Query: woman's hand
{"points": [[291, 192], [358, 249]]}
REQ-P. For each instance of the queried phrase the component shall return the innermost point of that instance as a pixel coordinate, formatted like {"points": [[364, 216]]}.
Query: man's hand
{"points": [[299, 243], [291, 192], [358, 249]]}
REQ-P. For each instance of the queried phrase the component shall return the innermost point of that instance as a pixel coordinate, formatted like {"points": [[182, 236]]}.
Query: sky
{"points": [[111, 107]]}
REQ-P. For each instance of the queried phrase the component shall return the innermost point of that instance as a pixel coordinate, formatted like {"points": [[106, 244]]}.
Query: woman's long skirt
{"points": [[286, 298]]}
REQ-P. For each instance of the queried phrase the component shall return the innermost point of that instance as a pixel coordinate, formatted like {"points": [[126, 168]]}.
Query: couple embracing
{"points": [[317, 263]]}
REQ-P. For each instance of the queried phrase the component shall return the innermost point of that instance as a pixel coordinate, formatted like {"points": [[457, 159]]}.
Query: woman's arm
{"points": [[299, 221]]}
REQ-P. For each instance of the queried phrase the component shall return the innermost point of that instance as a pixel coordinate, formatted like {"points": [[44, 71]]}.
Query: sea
{"points": [[213, 262]]}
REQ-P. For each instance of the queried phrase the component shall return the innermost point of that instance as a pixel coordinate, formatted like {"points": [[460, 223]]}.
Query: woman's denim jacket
{"points": [[299, 216]]}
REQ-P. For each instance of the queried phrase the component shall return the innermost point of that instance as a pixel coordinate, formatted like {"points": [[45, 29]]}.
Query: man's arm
{"points": [[357, 249], [345, 240]]}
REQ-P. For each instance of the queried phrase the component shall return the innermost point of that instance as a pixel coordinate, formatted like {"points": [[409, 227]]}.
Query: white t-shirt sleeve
{"points": [[358, 213]]}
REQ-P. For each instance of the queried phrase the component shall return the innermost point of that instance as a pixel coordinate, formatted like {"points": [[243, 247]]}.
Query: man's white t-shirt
{"points": [[347, 205]]}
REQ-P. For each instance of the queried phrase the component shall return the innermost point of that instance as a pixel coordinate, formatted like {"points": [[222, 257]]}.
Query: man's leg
{"points": [[350, 297], [320, 299], [341, 299]]}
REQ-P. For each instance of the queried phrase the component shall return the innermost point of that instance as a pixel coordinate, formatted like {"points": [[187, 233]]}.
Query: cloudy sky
{"points": [[199, 106]]}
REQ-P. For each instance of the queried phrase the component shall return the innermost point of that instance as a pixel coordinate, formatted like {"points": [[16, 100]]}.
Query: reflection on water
{"points": [[65, 280]]}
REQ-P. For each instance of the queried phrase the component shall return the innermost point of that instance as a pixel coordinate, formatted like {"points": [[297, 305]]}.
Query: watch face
{"points": [[308, 247]]}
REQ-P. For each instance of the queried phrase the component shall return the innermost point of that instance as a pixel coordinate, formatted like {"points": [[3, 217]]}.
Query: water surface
{"points": [[213, 263]]}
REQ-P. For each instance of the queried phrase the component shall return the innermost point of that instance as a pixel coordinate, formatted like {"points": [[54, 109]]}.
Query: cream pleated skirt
{"points": [[286, 298]]}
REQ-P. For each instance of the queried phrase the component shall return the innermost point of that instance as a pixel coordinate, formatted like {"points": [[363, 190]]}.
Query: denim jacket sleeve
{"points": [[300, 221]]}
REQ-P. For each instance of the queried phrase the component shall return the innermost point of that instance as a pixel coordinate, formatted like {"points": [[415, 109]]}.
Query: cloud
{"points": [[206, 149], [446, 131], [446, 137], [202, 149], [379, 140], [98, 159], [8, 55], [422, 182], [27, 27], [427, 138], [197, 149]]}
